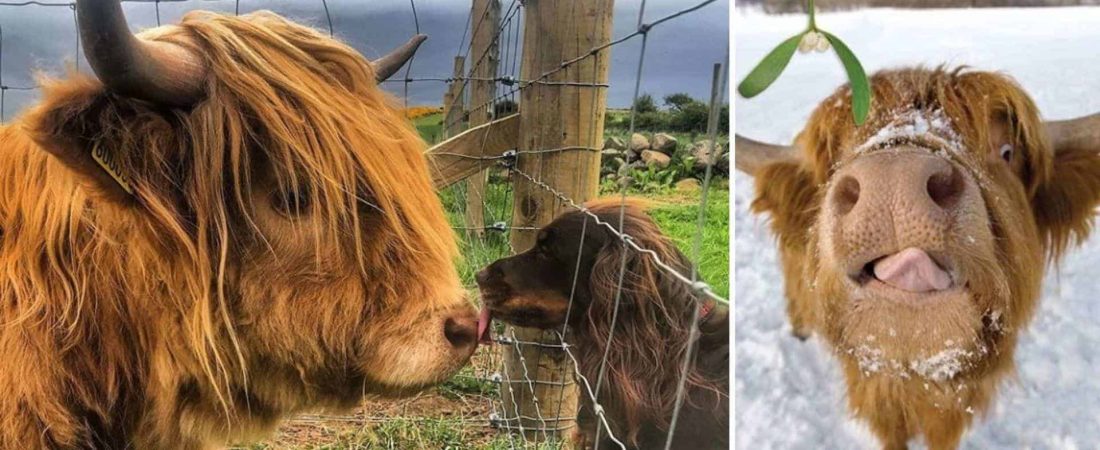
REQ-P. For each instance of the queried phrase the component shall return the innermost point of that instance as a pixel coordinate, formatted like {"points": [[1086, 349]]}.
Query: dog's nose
{"points": [[461, 330]]}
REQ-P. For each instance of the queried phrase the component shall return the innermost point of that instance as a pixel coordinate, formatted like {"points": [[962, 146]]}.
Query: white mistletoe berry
{"points": [[822, 43], [808, 42]]}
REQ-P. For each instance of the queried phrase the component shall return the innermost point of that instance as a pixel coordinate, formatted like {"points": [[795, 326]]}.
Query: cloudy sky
{"points": [[679, 53]]}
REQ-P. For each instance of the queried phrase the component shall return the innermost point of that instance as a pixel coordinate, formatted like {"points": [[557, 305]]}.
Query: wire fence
{"points": [[544, 430]]}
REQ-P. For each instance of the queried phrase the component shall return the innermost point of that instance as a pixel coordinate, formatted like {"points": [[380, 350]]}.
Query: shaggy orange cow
{"points": [[916, 243], [230, 224]]}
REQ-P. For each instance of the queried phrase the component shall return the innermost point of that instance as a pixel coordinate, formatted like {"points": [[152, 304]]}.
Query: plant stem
{"points": [[813, 23]]}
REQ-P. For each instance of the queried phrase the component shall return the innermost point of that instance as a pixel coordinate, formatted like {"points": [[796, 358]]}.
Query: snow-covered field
{"points": [[790, 394]]}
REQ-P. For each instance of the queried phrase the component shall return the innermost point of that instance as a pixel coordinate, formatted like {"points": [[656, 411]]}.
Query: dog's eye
{"points": [[1006, 152], [543, 239]]}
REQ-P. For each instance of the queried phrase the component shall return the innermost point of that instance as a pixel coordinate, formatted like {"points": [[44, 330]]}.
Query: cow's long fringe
{"points": [[282, 99]]}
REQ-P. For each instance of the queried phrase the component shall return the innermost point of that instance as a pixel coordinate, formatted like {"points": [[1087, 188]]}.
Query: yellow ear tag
{"points": [[108, 163]]}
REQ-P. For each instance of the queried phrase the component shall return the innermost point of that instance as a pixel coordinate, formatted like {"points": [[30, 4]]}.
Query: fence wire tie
{"points": [[508, 159], [498, 226]]}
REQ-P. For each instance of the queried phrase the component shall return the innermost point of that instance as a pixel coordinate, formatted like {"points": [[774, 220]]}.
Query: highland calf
{"points": [[231, 224], [916, 243]]}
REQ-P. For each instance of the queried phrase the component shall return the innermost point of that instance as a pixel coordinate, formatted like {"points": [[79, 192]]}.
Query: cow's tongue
{"points": [[912, 270], [483, 321]]}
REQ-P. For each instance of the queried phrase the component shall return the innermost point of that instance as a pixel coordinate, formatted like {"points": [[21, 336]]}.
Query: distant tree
{"points": [[645, 104], [678, 100], [691, 117], [651, 121]]}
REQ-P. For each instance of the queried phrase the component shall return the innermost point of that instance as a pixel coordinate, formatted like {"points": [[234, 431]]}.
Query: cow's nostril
{"points": [[945, 187], [461, 331], [846, 194]]}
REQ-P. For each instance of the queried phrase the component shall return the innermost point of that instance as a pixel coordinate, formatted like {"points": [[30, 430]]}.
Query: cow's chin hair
{"points": [[405, 361], [937, 337]]}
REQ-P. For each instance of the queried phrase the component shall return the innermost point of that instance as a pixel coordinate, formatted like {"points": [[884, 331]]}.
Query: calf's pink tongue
{"points": [[912, 270], [483, 320]]}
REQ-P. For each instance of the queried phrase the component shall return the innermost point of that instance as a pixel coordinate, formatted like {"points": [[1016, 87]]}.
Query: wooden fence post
{"points": [[568, 117], [485, 51], [454, 108]]}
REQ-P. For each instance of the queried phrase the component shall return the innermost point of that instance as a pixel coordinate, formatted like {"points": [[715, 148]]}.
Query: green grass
{"points": [[430, 127], [478, 253], [678, 219], [466, 383]]}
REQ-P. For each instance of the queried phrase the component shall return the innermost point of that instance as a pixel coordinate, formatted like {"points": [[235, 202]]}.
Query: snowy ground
{"points": [[789, 393]]}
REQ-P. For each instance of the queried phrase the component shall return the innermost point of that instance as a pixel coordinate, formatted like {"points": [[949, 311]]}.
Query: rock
{"points": [[664, 143], [638, 143], [610, 160], [607, 157], [688, 186], [626, 169], [613, 143], [655, 159], [703, 157]]}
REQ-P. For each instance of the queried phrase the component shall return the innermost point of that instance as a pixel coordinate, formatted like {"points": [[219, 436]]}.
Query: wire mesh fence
{"points": [[501, 388]]}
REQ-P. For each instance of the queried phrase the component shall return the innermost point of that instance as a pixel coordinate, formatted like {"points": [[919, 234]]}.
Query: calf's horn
{"points": [[386, 66], [750, 156], [159, 72], [1082, 133]]}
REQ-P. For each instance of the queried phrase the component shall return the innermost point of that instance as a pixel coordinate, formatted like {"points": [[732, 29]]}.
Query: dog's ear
{"points": [[640, 319]]}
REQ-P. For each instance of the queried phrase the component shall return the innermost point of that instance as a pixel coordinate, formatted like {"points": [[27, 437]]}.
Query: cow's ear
{"points": [[1066, 202], [99, 137], [786, 190]]}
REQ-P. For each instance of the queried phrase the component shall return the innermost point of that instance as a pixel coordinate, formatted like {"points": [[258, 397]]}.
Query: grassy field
{"points": [[430, 127], [455, 414]]}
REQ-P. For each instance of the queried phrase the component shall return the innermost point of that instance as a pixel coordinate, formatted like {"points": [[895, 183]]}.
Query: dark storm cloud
{"points": [[678, 58]]}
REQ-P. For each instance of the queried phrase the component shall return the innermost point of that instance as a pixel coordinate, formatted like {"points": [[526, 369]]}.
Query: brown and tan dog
{"points": [[571, 276]]}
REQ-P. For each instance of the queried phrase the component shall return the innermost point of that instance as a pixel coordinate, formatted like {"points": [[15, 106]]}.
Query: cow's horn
{"points": [[386, 66], [155, 71], [750, 156], [1081, 133]]}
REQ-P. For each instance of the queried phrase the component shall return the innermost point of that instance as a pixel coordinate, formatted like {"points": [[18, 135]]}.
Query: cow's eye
{"points": [[291, 202], [1006, 152]]}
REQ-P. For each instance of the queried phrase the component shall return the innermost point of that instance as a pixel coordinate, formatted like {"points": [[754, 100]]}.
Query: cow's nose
{"points": [[461, 330], [919, 182], [945, 184], [891, 199]]}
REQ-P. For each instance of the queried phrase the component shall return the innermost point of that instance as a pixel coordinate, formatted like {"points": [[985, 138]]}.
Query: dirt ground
{"points": [[453, 412]]}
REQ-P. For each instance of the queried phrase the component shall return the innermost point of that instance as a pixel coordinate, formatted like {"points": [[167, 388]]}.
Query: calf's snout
{"points": [[889, 200]]}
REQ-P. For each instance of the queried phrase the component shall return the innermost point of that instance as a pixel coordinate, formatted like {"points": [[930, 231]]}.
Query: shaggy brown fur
{"points": [[260, 268], [1036, 206], [651, 330]]}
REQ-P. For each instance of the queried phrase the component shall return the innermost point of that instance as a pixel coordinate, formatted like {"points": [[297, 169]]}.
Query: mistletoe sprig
{"points": [[816, 39]]}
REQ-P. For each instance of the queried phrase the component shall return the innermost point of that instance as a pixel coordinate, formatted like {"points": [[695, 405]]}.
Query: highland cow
{"points": [[916, 243], [231, 223]]}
